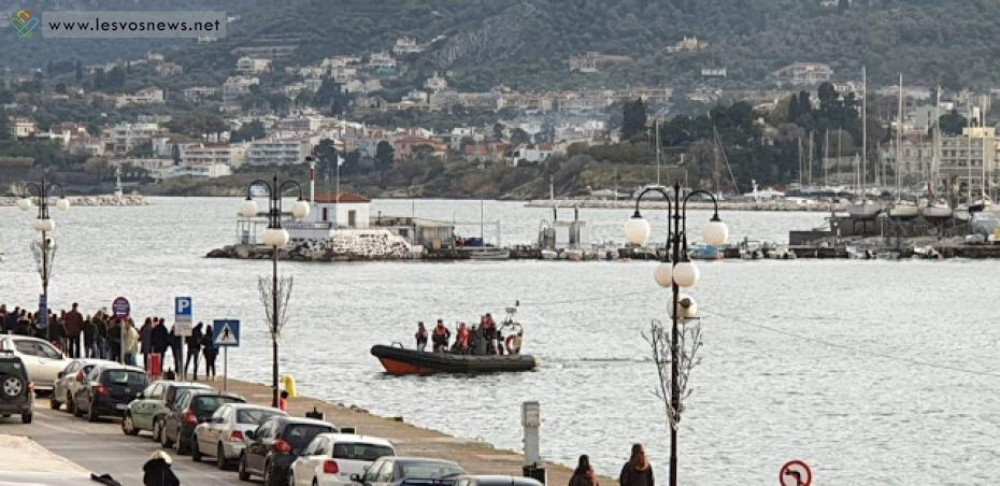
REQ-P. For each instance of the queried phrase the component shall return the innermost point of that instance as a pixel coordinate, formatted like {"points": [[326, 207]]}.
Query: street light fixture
{"points": [[44, 251], [676, 271], [276, 237]]}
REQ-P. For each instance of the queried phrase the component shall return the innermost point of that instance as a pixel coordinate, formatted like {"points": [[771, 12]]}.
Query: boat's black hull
{"points": [[400, 361]]}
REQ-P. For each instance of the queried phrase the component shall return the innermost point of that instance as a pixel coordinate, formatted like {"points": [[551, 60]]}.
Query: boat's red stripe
{"points": [[394, 367]]}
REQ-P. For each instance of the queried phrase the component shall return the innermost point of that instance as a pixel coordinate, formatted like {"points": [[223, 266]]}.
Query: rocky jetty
{"points": [[103, 200], [349, 246]]}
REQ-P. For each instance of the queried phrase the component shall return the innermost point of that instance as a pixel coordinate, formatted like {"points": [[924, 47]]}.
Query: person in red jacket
{"points": [[462, 339]]}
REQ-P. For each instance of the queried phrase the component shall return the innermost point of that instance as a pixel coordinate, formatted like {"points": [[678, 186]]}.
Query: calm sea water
{"points": [[826, 382]]}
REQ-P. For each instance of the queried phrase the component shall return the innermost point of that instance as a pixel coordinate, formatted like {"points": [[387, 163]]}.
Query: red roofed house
{"points": [[405, 147]]}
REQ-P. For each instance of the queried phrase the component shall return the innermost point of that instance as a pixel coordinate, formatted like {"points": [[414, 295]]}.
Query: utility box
{"points": [[531, 421]]}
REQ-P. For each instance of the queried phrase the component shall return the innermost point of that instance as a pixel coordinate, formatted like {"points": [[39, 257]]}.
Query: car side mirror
{"points": [[356, 478], [250, 435], [61, 374]]}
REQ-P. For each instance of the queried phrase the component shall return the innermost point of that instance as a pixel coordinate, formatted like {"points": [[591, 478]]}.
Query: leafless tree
{"points": [[659, 339], [267, 298], [42, 260]]}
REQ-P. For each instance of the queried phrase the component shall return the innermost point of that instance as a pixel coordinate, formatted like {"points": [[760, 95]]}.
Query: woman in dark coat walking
{"points": [[193, 343], [157, 472], [584, 474], [210, 351], [637, 471], [160, 341]]}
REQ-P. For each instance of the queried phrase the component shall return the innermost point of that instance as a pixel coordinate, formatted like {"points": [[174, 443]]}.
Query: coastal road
{"points": [[102, 447]]}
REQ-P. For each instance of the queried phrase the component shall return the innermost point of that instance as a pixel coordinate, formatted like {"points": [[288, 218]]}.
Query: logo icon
{"points": [[24, 22]]}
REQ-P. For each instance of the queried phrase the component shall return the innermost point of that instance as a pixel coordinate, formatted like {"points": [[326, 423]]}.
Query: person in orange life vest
{"points": [[440, 337], [462, 338], [421, 336], [489, 329]]}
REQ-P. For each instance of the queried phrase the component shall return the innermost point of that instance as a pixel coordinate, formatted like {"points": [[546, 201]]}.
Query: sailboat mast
{"points": [[656, 126], [810, 158], [864, 130], [899, 136], [968, 151], [826, 158]]}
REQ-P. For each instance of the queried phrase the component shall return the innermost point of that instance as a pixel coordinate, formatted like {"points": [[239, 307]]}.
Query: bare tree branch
{"points": [[266, 294], [44, 271], [660, 342]]}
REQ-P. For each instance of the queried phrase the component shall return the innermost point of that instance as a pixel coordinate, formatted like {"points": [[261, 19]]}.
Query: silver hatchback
{"points": [[224, 435]]}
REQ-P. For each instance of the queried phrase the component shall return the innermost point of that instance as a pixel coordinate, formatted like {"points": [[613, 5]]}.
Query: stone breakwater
{"points": [[776, 205], [105, 200], [359, 245]]}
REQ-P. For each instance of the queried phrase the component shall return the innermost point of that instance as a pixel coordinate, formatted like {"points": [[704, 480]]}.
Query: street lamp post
{"points": [[276, 237], [44, 225], [676, 271]]}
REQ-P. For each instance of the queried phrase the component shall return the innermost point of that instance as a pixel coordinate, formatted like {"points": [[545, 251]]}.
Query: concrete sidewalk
{"points": [[25, 455]]}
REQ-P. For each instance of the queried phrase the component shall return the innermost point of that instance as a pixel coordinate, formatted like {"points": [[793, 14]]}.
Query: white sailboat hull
{"points": [[865, 209], [904, 209], [936, 210]]}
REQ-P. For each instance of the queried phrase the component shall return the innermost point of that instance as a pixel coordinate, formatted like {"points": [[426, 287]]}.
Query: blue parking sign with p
{"points": [[182, 306]]}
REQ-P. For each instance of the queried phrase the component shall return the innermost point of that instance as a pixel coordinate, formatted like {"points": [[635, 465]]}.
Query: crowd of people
{"points": [[102, 335], [482, 339]]}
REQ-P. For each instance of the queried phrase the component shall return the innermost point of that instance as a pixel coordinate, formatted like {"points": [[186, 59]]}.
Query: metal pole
{"points": [[274, 328], [675, 397], [45, 284], [225, 368]]}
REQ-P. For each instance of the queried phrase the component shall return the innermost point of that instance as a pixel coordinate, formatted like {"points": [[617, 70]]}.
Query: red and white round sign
{"points": [[795, 473]]}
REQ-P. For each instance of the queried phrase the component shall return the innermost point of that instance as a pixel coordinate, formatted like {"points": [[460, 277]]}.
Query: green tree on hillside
{"points": [[384, 156], [248, 131], [952, 123], [633, 119]]}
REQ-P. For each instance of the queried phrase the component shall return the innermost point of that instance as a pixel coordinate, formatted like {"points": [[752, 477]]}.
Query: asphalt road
{"points": [[103, 448]]}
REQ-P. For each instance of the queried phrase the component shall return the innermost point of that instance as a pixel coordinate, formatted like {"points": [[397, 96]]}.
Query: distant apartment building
{"points": [[236, 86], [253, 65], [145, 96], [971, 159], [714, 73], [592, 62], [22, 127], [804, 74], [199, 94], [436, 83], [169, 69], [406, 146], [234, 155], [916, 158], [86, 146], [406, 45], [381, 60], [688, 44], [124, 137], [530, 153], [150, 164], [278, 152]]}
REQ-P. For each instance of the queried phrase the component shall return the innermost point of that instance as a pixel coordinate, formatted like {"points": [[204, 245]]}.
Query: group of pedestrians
{"points": [[636, 472], [482, 339], [104, 336]]}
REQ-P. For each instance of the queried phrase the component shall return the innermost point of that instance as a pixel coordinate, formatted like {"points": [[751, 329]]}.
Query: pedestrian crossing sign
{"points": [[226, 332]]}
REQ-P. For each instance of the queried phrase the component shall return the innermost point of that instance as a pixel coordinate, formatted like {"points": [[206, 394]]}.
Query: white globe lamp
{"points": [[24, 204], [46, 225], [664, 274], [300, 210], [637, 230], [687, 308], [716, 233], [686, 274], [276, 237], [248, 208], [62, 204]]}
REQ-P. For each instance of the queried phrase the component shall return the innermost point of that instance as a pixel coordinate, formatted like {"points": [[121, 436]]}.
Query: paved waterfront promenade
{"points": [[103, 448]]}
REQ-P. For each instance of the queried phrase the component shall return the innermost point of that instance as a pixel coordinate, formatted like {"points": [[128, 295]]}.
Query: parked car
{"points": [[496, 480], [224, 435], [16, 397], [275, 445], [331, 459], [146, 412], [43, 360], [393, 471], [192, 408], [70, 380], [108, 390]]}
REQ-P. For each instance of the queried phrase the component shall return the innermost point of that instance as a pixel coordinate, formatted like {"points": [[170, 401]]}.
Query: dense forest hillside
{"points": [[526, 43]]}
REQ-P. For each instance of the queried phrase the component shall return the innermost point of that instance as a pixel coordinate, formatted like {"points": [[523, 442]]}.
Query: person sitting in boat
{"points": [[489, 330], [478, 346], [462, 339], [421, 336], [441, 337]]}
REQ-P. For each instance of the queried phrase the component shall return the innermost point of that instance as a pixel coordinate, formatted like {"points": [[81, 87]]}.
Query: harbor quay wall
{"points": [[104, 200], [770, 205], [474, 456]]}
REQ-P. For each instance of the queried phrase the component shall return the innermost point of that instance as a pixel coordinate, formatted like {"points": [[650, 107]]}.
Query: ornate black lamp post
{"points": [[276, 237], [676, 271], [44, 250]]}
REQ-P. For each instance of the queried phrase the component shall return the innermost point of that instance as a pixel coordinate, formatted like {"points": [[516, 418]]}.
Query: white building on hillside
{"points": [[253, 65], [278, 152]]}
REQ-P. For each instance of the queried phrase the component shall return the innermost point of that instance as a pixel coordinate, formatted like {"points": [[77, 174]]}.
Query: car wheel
{"points": [[70, 405], [12, 386], [195, 453], [76, 410], [179, 445], [243, 474], [157, 431], [220, 457], [268, 477], [92, 413], [315, 482], [165, 438], [128, 428], [25, 418], [53, 403]]}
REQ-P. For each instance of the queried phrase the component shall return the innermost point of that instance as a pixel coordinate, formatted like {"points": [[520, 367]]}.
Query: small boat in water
{"points": [[400, 361], [705, 252]]}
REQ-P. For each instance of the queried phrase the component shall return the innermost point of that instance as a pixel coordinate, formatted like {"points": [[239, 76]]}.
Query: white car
{"points": [[331, 459], [70, 380], [43, 360], [224, 435]]}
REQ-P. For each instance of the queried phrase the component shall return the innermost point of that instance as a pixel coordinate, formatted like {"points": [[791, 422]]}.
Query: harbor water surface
{"points": [[873, 372]]}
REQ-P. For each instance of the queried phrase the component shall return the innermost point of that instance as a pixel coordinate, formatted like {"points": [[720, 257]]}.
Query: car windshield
{"points": [[255, 416], [300, 435], [211, 403], [360, 451], [124, 377], [430, 470]]}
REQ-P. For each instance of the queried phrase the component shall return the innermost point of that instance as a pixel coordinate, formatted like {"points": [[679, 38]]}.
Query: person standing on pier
{"points": [[421, 336], [210, 351], [115, 340], [101, 342], [74, 326], [160, 341], [89, 330], [175, 349], [584, 473], [145, 341], [193, 349], [130, 345], [637, 471], [441, 337]]}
